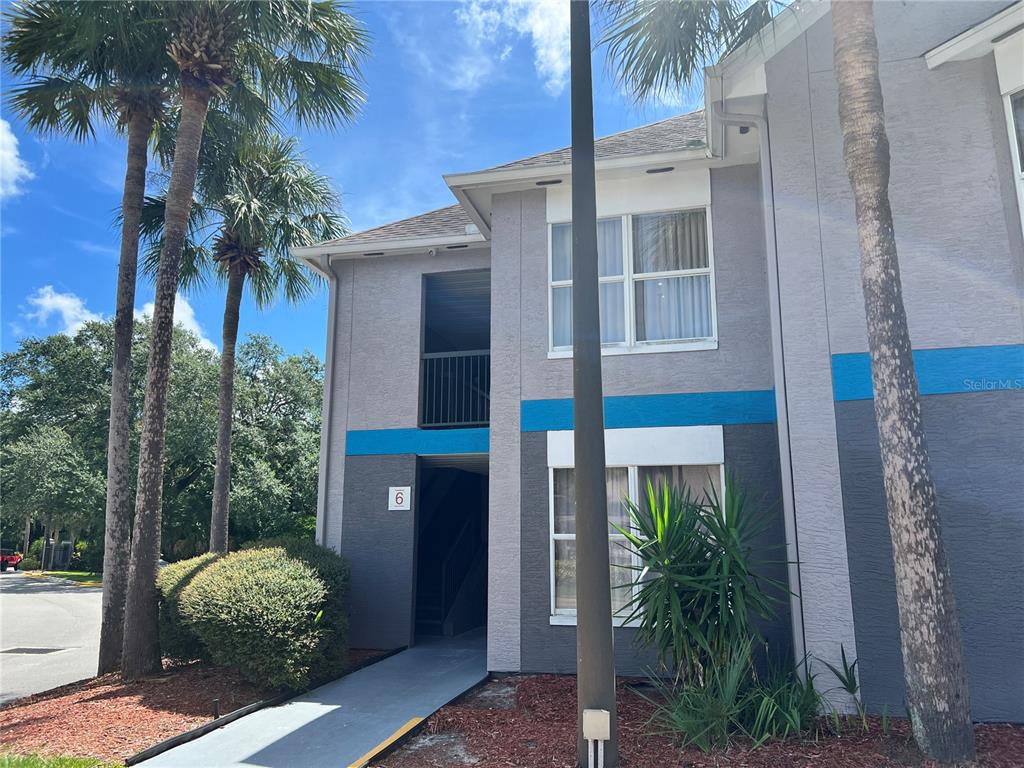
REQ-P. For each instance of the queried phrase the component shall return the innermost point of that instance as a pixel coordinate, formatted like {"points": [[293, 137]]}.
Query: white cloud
{"points": [[489, 25], [97, 248], [69, 307], [184, 317], [13, 170]]}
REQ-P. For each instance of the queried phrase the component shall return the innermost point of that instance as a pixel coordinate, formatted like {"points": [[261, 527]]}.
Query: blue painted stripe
{"points": [[671, 410], [423, 442], [946, 371]]}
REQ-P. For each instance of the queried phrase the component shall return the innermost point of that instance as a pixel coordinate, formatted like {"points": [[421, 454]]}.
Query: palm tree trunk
{"points": [[226, 404], [118, 526], [937, 694], [141, 651]]}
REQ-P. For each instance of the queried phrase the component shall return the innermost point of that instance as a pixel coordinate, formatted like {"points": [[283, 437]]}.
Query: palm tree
{"points": [[255, 205], [300, 55], [658, 45], [89, 61]]}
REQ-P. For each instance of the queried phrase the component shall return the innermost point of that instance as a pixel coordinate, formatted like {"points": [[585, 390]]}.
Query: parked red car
{"points": [[9, 559]]}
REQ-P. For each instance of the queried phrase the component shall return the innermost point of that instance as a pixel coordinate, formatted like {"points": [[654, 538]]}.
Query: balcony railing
{"points": [[456, 389]]}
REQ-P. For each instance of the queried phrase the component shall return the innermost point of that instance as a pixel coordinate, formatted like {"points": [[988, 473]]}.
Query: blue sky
{"points": [[450, 87]]}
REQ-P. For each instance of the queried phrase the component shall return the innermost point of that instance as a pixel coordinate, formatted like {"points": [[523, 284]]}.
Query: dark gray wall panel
{"points": [[750, 451], [380, 546], [976, 444]]}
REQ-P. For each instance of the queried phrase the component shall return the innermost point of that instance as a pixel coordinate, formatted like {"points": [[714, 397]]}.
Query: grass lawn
{"points": [[35, 761], [85, 578]]}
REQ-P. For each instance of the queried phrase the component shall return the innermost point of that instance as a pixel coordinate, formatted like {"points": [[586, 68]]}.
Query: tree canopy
{"points": [[54, 400]]}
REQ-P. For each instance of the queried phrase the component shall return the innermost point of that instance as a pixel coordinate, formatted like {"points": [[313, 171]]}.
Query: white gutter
{"points": [[324, 268], [796, 611]]}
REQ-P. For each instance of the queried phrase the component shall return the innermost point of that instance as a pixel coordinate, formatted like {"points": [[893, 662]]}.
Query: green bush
{"points": [[331, 654], [275, 611], [177, 639], [29, 564], [35, 549]]}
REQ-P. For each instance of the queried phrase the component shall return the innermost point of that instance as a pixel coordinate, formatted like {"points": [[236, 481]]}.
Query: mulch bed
{"points": [[531, 721], [107, 719]]}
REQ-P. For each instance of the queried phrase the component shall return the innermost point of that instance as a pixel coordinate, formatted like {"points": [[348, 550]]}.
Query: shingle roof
{"points": [[440, 223], [671, 135]]}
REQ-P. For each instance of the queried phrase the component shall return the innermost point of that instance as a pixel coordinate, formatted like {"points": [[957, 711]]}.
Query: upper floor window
{"points": [[655, 272]]}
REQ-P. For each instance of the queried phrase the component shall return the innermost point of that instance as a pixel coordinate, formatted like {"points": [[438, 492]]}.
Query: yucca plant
{"points": [[696, 587]]}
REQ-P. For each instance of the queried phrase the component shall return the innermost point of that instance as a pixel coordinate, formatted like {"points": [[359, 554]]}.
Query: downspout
{"points": [[324, 268], [796, 610]]}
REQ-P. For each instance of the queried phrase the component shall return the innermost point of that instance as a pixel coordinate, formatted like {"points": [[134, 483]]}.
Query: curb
{"points": [[201, 730]]}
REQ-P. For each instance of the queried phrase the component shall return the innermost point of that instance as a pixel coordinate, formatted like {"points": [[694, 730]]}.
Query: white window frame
{"points": [[1015, 156], [567, 616], [629, 278]]}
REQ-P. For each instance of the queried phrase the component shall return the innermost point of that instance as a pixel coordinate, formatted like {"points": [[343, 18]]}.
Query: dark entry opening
{"points": [[451, 546]]}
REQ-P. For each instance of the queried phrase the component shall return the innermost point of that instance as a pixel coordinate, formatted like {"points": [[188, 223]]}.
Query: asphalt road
{"points": [[37, 614]]}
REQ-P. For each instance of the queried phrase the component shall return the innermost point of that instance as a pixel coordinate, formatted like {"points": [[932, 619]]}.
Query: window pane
{"points": [[561, 316], [620, 558], [609, 249], [613, 313], [565, 575], [698, 478], [673, 308], [663, 242], [561, 251], [616, 487], [1017, 107]]}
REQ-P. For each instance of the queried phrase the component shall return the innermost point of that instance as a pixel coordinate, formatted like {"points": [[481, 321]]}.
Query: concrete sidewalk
{"points": [[340, 724]]}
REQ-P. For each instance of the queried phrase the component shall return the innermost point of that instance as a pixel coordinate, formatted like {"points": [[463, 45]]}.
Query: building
{"points": [[735, 341]]}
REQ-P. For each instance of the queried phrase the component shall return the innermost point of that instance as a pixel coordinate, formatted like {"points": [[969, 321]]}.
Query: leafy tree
{"points": [[660, 45], [256, 203], [45, 476], [61, 382], [301, 56], [105, 60]]}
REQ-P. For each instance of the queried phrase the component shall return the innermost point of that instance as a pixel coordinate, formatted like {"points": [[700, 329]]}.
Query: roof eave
{"points": [[979, 39], [370, 249], [506, 176]]}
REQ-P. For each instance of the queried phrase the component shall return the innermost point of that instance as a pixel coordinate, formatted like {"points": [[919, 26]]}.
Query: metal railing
{"points": [[456, 389]]}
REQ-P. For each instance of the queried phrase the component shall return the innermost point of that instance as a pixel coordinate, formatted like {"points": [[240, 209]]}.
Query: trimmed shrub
{"points": [[177, 639], [259, 611], [331, 654], [29, 564]]}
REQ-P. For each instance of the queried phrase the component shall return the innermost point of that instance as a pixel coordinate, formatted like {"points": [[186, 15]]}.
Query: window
{"points": [[655, 281], [620, 483], [1016, 110]]}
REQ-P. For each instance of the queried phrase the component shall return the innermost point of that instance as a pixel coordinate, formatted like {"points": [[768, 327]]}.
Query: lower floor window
{"points": [[620, 483]]}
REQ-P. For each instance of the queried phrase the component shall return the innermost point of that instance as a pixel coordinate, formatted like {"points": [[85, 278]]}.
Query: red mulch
{"points": [[534, 724], [107, 719]]}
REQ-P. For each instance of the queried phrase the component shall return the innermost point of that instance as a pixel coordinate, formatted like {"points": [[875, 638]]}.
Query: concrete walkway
{"points": [[342, 723]]}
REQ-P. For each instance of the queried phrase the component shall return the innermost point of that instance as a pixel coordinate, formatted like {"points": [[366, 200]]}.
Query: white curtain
{"points": [[561, 316], [673, 308], [666, 242]]}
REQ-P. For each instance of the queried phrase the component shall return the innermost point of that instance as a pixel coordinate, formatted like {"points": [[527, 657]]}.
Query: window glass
{"points": [[701, 479], [616, 487], [612, 310], [619, 558], [673, 308], [1017, 107], [561, 316], [609, 249], [667, 242]]}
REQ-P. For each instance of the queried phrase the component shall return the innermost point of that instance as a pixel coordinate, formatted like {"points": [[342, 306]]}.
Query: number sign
{"points": [[399, 498]]}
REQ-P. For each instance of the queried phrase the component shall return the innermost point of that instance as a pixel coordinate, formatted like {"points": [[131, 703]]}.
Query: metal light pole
{"points": [[595, 667]]}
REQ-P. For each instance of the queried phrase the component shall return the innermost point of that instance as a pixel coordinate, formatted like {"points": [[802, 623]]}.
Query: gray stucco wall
{"points": [[976, 444], [380, 546], [743, 358], [376, 300], [751, 452], [957, 233]]}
